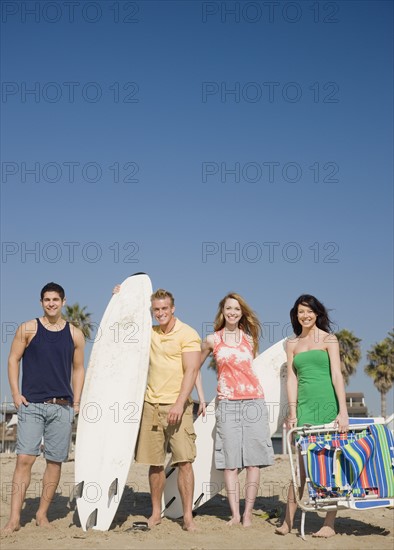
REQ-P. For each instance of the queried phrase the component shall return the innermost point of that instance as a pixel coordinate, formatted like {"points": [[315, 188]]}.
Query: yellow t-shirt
{"points": [[166, 368]]}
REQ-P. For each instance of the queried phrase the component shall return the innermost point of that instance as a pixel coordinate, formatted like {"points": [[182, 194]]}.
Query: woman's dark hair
{"points": [[322, 321]]}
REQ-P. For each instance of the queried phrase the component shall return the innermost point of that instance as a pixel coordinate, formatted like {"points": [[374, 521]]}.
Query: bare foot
{"points": [[9, 528], [234, 521], [42, 521], [282, 530], [324, 533], [189, 525], [247, 521], [153, 521]]}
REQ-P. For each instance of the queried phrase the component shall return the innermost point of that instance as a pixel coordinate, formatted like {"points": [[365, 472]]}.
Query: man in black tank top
{"points": [[53, 375]]}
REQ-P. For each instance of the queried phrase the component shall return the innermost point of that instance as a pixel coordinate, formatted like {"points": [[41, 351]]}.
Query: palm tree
{"points": [[212, 363], [78, 317], [349, 353], [381, 367]]}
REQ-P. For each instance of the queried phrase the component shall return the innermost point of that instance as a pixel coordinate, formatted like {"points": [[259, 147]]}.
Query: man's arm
{"points": [[78, 373], [18, 347], [191, 364]]}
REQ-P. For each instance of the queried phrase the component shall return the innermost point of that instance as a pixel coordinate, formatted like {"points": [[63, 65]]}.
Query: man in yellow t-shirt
{"points": [[167, 418]]}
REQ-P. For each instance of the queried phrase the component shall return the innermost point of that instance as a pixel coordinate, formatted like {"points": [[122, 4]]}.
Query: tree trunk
{"points": [[383, 404]]}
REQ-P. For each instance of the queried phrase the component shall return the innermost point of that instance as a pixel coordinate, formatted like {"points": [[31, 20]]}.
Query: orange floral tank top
{"points": [[236, 379]]}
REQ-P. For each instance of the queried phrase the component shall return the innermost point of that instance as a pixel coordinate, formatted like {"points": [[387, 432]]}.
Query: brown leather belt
{"points": [[58, 401]]}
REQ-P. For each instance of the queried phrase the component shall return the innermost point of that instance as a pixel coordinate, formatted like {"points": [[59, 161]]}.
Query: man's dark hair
{"points": [[53, 287]]}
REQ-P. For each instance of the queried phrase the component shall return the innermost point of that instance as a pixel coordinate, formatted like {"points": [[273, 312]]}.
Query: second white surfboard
{"points": [[270, 368]]}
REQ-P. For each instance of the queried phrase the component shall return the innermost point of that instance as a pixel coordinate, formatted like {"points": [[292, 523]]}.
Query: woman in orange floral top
{"points": [[242, 429]]}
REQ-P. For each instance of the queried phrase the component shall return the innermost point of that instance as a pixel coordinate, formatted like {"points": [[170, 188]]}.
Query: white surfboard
{"points": [[111, 403], [270, 368]]}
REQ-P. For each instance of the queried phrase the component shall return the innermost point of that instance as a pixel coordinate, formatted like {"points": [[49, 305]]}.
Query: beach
{"points": [[362, 529]]}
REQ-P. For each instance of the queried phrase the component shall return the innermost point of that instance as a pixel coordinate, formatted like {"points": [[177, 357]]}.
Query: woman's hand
{"points": [[116, 289], [342, 422], [291, 423], [202, 408]]}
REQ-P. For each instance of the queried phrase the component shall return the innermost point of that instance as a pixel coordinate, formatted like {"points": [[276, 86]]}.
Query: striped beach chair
{"points": [[353, 470]]}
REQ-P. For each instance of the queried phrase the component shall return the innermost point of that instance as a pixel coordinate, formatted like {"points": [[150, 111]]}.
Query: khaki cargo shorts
{"points": [[157, 437]]}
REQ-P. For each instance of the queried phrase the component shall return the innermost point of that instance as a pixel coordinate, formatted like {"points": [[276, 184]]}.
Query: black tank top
{"points": [[47, 365]]}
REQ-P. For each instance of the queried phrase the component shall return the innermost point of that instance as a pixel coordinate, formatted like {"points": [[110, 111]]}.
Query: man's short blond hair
{"points": [[162, 294]]}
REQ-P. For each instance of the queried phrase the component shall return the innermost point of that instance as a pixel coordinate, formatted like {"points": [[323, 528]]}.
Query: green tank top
{"points": [[317, 402]]}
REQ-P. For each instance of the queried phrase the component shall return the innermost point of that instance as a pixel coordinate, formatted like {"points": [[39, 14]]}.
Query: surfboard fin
{"points": [[92, 520], [169, 472], [75, 493], [168, 504], [197, 501], [113, 490]]}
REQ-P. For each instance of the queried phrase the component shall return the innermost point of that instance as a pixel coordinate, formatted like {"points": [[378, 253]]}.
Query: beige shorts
{"points": [[157, 437]]}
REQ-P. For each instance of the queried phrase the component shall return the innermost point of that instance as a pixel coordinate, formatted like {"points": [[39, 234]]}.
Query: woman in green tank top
{"points": [[315, 387]]}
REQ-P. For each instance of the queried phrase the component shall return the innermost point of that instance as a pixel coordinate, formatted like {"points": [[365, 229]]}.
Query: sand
{"points": [[355, 529]]}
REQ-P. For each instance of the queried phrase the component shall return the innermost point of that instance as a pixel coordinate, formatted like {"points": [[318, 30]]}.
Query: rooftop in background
{"points": [[355, 403]]}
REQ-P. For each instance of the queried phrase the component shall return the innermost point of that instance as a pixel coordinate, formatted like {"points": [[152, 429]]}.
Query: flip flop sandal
{"points": [[139, 526]]}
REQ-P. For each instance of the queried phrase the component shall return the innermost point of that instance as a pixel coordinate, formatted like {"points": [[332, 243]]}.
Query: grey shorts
{"points": [[242, 434], [44, 421]]}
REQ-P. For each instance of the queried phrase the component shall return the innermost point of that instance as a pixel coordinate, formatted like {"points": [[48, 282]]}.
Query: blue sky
{"points": [[216, 146]]}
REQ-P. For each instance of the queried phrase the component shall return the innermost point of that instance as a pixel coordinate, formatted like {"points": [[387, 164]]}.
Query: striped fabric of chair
{"points": [[360, 463], [357, 462], [383, 459], [338, 464]]}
